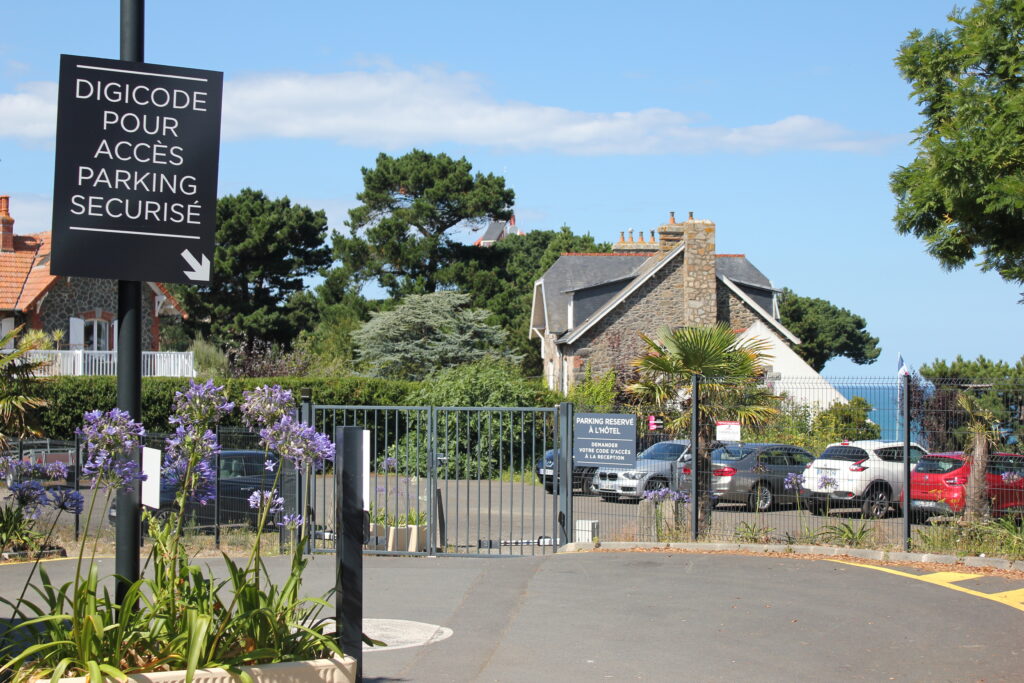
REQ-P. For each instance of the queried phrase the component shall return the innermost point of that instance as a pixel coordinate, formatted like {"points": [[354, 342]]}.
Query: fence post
{"points": [[216, 496], [78, 477], [905, 379], [694, 457], [436, 531], [348, 521], [564, 479]]}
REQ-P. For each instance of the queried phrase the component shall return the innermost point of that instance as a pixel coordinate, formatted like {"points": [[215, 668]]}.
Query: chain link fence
{"points": [[820, 462]]}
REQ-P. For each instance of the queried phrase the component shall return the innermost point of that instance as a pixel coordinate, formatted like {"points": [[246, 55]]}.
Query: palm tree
{"points": [[982, 436], [729, 370], [19, 388]]}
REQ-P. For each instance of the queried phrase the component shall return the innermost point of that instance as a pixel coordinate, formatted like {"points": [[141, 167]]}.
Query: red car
{"points": [[938, 483]]}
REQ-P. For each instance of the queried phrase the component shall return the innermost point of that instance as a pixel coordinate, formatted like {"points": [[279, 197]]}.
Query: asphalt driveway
{"points": [[658, 616]]}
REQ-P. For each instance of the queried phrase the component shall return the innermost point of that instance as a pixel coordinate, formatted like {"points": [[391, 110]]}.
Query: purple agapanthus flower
{"points": [[274, 502], [66, 500], [28, 495], [201, 404], [827, 482], [22, 470], [794, 481], [1010, 477], [658, 495], [111, 444], [269, 465], [291, 521], [298, 442], [265, 406], [189, 445]]}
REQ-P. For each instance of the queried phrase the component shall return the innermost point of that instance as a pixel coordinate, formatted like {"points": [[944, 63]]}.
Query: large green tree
{"points": [[826, 331], [426, 333], [963, 194], [265, 247], [500, 278], [402, 232]]}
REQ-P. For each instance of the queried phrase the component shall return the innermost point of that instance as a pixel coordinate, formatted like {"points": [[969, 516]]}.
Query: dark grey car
{"points": [[756, 474]]}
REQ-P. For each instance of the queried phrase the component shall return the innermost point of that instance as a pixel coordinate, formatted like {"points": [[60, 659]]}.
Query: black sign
{"points": [[135, 181], [604, 439]]}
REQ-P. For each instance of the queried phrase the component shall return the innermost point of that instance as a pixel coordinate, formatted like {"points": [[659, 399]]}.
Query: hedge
{"points": [[70, 397]]}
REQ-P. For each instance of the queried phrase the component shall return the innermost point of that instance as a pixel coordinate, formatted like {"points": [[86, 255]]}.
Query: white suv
{"points": [[868, 474]]}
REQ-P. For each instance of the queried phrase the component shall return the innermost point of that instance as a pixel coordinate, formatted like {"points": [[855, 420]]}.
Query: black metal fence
{"points": [[814, 462]]}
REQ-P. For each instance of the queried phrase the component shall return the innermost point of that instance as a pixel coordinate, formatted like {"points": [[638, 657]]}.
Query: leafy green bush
{"points": [[70, 397]]}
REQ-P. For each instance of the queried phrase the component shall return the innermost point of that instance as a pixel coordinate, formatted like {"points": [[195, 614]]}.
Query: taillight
{"points": [[724, 472], [686, 470], [858, 467], [956, 481]]}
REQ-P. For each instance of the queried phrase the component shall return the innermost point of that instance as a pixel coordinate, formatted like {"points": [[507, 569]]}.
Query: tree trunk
{"points": [[977, 503]]}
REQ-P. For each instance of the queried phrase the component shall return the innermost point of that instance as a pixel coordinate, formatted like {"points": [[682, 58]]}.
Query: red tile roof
{"points": [[25, 273]]}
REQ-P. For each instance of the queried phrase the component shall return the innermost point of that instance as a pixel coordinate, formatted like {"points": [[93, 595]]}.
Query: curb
{"points": [[813, 550]]}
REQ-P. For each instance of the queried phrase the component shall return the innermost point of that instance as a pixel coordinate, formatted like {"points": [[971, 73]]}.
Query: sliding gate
{"points": [[449, 480]]}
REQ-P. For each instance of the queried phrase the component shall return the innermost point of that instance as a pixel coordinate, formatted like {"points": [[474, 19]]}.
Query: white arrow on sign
{"points": [[200, 270]]}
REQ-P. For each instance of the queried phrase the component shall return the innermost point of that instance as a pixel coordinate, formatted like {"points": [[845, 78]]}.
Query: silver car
{"points": [[760, 475], [655, 468]]}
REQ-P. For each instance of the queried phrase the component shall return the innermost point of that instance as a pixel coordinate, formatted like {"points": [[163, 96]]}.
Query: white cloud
{"points": [[31, 113], [393, 108]]}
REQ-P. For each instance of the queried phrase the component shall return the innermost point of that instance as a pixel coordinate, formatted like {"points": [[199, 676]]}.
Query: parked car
{"points": [[655, 468], [241, 473], [938, 484], [866, 474], [755, 474], [582, 475]]}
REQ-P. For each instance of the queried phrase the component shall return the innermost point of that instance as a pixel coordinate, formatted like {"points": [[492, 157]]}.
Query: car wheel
{"points": [[815, 507], [761, 498], [587, 484], [550, 488], [876, 503]]}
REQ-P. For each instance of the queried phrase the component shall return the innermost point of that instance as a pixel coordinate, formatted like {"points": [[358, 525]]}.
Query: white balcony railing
{"points": [[154, 363]]}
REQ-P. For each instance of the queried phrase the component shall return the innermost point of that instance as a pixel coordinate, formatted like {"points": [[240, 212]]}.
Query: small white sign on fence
{"points": [[727, 430], [151, 485]]}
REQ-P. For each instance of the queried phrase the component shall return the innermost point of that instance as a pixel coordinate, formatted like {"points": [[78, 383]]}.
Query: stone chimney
{"points": [[6, 224], [700, 291], [671, 233]]}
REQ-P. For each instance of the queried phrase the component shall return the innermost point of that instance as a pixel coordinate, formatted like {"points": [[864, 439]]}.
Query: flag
{"points": [[901, 372], [903, 369]]}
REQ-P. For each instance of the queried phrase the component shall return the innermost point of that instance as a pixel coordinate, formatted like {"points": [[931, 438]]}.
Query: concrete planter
{"points": [[314, 670], [412, 539]]}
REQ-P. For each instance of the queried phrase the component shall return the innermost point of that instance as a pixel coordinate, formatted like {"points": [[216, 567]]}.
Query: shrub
{"points": [[70, 397]]}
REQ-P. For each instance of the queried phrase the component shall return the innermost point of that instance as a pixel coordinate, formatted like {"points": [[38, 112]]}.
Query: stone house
{"points": [[84, 309], [590, 309]]}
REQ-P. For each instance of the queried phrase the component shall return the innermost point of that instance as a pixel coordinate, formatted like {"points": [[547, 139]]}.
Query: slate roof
{"points": [[572, 272], [576, 272], [492, 233]]}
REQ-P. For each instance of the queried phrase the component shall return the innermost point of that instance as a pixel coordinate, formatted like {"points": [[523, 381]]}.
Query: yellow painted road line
{"points": [[1014, 599], [942, 578]]}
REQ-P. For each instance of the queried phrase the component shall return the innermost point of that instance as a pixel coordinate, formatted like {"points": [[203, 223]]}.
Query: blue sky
{"points": [[779, 121]]}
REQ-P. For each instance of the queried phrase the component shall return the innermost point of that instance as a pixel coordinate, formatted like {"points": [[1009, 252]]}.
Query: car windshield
{"points": [[851, 453], [930, 465], [726, 453], [663, 451]]}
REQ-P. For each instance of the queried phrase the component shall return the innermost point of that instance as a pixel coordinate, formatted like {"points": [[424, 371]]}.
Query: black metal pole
{"points": [[129, 348], [905, 379], [348, 520], [694, 457]]}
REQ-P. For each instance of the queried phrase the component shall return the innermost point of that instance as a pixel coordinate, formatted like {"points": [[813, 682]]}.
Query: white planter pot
{"points": [[314, 670], [418, 538], [398, 537]]}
